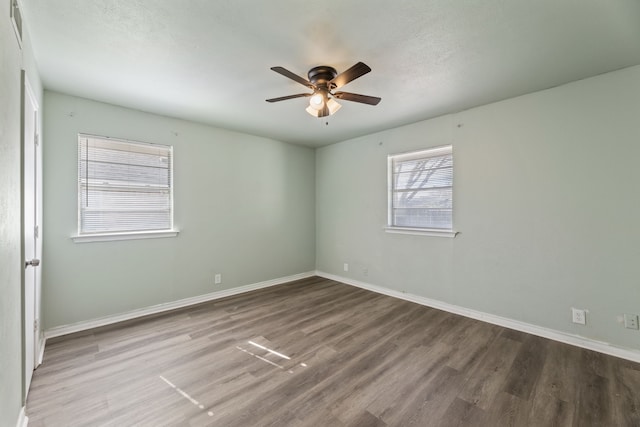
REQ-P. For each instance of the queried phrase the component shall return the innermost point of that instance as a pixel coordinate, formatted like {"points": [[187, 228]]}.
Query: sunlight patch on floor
{"points": [[185, 395], [269, 351]]}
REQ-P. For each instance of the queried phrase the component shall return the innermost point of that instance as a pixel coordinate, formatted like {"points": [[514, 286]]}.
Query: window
{"points": [[124, 187], [421, 191]]}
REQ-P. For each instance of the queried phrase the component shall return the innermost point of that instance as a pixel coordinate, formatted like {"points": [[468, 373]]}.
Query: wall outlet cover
{"points": [[579, 316], [631, 321]]}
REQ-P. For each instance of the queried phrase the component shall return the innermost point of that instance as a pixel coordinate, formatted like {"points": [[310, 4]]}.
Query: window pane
{"points": [[424, 178], [122, 174], [434, 198], [108, 221], [422, 217], [424, 163], [123, 185], [422, 189], [109, 198]]}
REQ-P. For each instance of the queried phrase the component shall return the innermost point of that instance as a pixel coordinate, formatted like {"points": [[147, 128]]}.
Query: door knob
{"points": [[33, 263]]}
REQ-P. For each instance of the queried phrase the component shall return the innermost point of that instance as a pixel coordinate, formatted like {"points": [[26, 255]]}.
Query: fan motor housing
{"points": [[322, 75]]}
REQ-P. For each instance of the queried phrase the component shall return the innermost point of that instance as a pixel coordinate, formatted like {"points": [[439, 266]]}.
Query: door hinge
{"points": [[35, 325], [36, 139], [36, 232]]}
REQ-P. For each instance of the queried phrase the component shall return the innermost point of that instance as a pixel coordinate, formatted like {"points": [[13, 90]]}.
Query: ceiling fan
{"points": [[323, 80]]}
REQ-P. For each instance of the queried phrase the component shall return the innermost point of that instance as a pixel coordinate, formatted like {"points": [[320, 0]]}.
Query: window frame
{"points": [[17, 20], [82, 237], [416, 154]]}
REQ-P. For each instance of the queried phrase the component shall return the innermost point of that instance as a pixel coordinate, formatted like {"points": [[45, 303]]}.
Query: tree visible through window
{"points": [[421, 189], [123, 186]]}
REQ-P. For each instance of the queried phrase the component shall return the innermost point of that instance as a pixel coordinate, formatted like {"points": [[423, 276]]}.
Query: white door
{"points": [[32, 211]]}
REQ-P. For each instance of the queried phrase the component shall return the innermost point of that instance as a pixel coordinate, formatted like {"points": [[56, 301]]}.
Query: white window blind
{"points": [[421, 189], [123, 186]]}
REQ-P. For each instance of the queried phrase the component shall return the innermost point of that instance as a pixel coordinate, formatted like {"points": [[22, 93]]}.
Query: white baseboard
{"points": [[23, 420], [552, 334], [159, 308]]}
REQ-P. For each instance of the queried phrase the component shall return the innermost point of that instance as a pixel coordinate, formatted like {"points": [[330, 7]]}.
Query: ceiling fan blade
{"points": [[363, 99], [284, 98], [360, 69], [292, 76]]}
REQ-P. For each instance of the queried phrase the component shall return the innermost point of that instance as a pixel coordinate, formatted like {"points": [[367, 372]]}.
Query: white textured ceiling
{"points": [[208, 61]]}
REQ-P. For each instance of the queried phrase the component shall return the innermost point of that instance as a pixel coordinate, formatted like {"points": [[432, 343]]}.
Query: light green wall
{"points": [[12, 60], [244, 206], [546, 201]]}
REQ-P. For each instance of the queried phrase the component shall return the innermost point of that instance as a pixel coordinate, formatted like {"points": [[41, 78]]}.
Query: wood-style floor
{"points": [[319, 353]]}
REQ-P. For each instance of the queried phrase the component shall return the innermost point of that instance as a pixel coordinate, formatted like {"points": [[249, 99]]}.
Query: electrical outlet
{"points": [[217, 279], [631, 321], [346, 267], [365, 271], [579, 316]]}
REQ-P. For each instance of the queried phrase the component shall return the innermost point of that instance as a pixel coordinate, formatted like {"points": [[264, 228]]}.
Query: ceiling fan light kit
{"points": [[317, 111], [324, 80]]}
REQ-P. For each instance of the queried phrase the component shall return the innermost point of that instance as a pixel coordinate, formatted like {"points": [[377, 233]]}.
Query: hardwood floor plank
{"points": [[488, 377], [470, 346], [594, 402], [392, 386], [547, 410], [316, 352], [433, 400], [461, 413], [526, 367], [366, 419], [627, 395], [560, 370], [508, 410]]}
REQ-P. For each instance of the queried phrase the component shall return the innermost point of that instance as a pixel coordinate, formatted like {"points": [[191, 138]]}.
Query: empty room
{"points": [[339, 213]]}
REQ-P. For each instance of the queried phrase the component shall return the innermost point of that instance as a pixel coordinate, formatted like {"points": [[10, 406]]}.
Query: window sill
{"points": [[434, 232], [110, 237]]}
